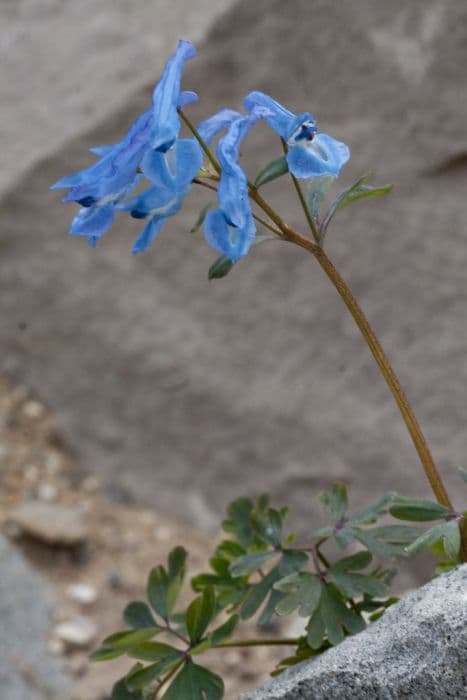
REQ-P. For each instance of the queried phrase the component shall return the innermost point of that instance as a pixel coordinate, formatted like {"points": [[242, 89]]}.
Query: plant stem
{"points": [[383, 364], [285, 641], [210, 156], [299, 192], [167, 677]]}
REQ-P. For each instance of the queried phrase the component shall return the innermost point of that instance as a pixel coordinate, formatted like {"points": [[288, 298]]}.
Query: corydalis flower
{"points": [[150, 146], [230, 229], [310, 153]]}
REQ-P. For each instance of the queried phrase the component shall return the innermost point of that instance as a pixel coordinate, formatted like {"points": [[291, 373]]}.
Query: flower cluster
{"points": [[153, 149]]}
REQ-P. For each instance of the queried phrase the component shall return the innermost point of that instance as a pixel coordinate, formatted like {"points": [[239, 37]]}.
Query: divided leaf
{"points": [[335, 501], [196, 683]]}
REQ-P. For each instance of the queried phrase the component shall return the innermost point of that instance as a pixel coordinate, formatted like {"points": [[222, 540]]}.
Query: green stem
{"points": [[299, 192], [285, 641], [166, 678], [210, 156]]}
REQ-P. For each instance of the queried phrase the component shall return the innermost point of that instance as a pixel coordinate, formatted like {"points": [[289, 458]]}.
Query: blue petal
{"points": [[102, 150], [93, 222], [156, 168], [152, 199], [209, 128], [278, 117], [324, 155], [226, 239], [186, 98], [148, 235], [115, 171], [189, 159], [166, 97]]}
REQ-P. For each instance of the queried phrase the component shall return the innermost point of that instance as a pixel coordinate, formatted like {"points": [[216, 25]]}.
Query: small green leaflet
{"points": [[274, 169], [418, 510], [200, 613], [335, 501], [195, 682], [359, 190], [448, 532]]}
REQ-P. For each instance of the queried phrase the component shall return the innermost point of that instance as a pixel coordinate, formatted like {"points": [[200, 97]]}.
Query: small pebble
{"points": [[82, 593], [76, 632], [33, 409]]}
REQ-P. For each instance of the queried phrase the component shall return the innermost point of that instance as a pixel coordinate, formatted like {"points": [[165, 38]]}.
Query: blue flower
{"points": [[150, 146], [230, 229], [171, 174], [310, 154]]}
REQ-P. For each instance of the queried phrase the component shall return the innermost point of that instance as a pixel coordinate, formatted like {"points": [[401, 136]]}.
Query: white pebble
{"points": [[82, 593], [33, 409], [78, 631]]}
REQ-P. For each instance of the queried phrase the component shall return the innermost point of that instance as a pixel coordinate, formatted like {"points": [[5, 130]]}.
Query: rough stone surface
{"points": [[26, 670], [418, 650], [51, 523], [187, 393], [101, 53]]}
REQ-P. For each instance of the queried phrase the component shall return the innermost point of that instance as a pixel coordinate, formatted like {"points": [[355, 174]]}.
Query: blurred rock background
{"points": [[176, 393]]}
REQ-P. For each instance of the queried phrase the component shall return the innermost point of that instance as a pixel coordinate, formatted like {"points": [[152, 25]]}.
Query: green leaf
{"points": [[138, 615], [122, 642], [269, 526], [332, 618], [224, 631], [447, 532], [157, 589], [195, 682], [316, 193], [201, 217], [372, 513], [344, 536], [239, 521], [140, 678], [359, 190], [200, 613], [220, 268], [257, 594], [274, 169], [418, 510], [335, 501], [177, 562], [304, 591], [463, 473], [152, 651], [355, 562], [121, 692], [250, 562]]}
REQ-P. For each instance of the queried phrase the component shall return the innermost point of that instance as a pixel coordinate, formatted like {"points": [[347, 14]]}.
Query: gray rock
{"points": [[102, 54], [26, 670], [418, 650], [51, 523]]}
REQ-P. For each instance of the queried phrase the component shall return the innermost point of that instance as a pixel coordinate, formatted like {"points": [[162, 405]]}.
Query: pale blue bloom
{"points": [[150, 146], [230, 229], [310, 154]]}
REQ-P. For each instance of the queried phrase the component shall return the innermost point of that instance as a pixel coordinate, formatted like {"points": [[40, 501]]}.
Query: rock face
{"points": [[418, 650], [26, 670], [188, 393]]}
